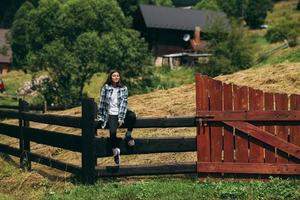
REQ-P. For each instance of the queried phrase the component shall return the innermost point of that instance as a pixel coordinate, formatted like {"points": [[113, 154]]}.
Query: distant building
{"points": [[172, 30], [5, 52]]}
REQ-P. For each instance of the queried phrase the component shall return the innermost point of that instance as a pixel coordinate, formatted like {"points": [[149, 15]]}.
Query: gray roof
{"points": [[7, 58], [180, 19]]}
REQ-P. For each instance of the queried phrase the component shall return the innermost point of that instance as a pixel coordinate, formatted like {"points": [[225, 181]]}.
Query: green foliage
{"points": [[8, 8], [292, 56], [121, 50], [67, 38], [256, 12], [129, 7], [231, 52], [173, 78], [298, 5], [284, 29], [233, 8], [207, 4], [157, 2]]}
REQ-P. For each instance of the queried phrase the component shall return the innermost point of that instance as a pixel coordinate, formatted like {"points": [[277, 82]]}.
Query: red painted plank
{"points": [[294, 130], [267, 138], [249, 168], [203, 137], [281, 103], [240, 102], [228, 131], [269, 151], [256, 102], [254, 115], [215, 97]]}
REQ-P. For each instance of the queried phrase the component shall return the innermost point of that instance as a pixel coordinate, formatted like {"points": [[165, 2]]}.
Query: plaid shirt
{"points": [[105, 98]]}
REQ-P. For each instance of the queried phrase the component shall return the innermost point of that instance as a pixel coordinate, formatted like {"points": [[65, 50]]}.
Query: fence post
{"points": [[24, 142], [88, 140]]}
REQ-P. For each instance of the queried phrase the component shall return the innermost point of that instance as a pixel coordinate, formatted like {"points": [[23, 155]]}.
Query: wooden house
{"points": [[171, 30]]}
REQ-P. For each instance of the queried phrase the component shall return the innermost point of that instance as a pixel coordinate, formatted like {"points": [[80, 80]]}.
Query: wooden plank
{"points": [[137, 170], [256, 102], [203, 134], [165, 122], [54, 163], [148, 145], [60, 120], [251, 115], [240, 102], [55, 139], [267, 138], [7, 113], [9, 130], [269, 150], [88, 140], [228, 131], [281, 103], [24, 143], [10, 150], [294, 130], [249, 168], [215, 103]]}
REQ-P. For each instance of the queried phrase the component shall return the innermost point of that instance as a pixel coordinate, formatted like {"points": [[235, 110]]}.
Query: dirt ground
{"points": [[180, 101]]}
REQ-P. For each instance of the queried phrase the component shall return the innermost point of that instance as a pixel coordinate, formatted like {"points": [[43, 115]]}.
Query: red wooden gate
{"points": [[243, 130]]}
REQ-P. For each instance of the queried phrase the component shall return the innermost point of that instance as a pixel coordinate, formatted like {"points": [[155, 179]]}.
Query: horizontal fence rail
{"points": [[158, 169], [171, 122], [55, 139], [148, 145]]}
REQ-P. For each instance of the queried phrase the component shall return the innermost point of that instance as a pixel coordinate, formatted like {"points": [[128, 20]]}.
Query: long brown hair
{"points": [[109, 79]]}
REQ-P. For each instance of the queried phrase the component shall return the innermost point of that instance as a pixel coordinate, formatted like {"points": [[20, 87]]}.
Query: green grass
{"points": [[181, 189], [292, 55], [174, 78]]}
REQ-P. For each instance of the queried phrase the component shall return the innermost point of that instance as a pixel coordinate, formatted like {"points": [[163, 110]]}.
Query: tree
{"points": [[121, 50], [65, 38], [207, 4], [231, 52], [129, 7], [298, 5], [8, 8], [233, 8], [256, 12]]}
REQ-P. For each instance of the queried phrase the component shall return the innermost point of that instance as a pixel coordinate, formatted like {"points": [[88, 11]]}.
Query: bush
{"points": [[232, 53], [286, 29]]}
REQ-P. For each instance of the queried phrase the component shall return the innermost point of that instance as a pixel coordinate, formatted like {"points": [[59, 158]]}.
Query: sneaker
{"points": [[130, 141], [116, 155]]}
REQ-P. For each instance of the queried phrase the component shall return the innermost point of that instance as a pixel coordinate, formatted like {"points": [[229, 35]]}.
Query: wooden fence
{"points": [[92, 147], [247, 131], [239, 130]]}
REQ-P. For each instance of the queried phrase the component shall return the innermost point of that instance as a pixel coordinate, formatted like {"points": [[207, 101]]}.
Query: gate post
{"points": [[24, 143], [88, 140]]}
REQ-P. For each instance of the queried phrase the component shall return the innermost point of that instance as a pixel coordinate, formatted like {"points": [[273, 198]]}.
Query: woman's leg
{"points": [[129, 122], [113, 126], [130, 119]]}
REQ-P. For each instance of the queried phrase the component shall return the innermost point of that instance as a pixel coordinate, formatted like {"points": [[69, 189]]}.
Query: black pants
{"points": [[113, 124]]}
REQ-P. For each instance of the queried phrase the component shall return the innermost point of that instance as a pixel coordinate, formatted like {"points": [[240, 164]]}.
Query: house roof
{"points": [[7, 57], [180, 19]]}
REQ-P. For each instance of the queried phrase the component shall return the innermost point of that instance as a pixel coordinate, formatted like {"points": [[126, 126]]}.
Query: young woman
{"points": [[113, 111]]}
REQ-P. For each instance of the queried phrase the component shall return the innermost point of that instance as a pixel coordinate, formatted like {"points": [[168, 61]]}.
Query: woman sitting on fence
{"points": [[113, 111]]}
